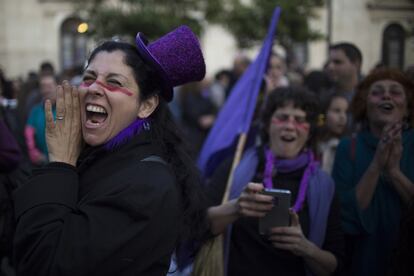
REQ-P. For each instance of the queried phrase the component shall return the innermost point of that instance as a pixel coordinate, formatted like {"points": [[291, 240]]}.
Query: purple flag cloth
{"points": [[236, 114]]}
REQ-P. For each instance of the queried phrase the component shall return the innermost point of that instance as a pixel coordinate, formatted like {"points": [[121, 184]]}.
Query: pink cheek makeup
{"points": [[380, 95], [114, 89], [303, 126]]}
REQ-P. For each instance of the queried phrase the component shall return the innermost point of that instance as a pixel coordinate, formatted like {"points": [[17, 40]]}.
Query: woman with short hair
{"points": [[313, 242], [374, 171]]}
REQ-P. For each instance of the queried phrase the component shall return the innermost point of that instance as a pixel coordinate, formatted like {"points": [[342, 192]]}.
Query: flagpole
{"points": [[236, 160], [236, 114], [210, 258]]}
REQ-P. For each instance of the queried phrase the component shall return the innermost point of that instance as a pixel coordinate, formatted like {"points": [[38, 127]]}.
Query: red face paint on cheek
{"points": [[303, 126], [85, 84], [278, 122], [373, 98], [123, 90], [115, 89]]}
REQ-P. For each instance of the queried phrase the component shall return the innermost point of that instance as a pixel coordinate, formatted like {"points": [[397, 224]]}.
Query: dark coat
{"points": [[9, 149], [115, 214]]}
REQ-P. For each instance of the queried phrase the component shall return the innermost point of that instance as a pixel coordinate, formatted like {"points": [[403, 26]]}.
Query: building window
{"points": [[393, 41], [73, 44], [300, 50]]}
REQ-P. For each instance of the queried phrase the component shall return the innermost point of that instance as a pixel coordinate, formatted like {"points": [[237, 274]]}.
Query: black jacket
{"points": [[114, 214]]}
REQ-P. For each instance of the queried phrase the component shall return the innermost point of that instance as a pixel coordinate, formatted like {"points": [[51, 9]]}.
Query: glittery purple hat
{"points": [[176, 57]]}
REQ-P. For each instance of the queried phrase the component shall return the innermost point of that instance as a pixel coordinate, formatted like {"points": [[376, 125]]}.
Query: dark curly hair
{"points": [[166, 133], [300, 98]]}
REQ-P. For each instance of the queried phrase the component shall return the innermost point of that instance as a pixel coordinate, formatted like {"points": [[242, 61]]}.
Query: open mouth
{"points": [[387, 107], [95, 114], [287, 139]]}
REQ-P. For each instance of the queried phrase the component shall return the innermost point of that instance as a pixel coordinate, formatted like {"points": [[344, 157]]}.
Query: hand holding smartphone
{"points": [[279, 214]]}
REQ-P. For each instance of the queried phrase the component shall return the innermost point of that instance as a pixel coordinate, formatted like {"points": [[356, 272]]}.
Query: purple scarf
{"points": [[274, 165], [319, 194], [126, 134]]}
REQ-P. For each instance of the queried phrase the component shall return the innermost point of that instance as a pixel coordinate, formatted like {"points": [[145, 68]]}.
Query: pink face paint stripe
{"points": [[277, 122], [304, 126], [107, 87], [114, 89], [84, 84]]}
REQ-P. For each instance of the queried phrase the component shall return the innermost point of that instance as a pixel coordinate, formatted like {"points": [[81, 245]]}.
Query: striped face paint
{"points": [[297, 123], [110, 88]]}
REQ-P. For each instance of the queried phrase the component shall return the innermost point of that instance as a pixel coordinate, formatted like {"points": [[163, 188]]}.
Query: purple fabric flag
{"points": [[236, 114]]}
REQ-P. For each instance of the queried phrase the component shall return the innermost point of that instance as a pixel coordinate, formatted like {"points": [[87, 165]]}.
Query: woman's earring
{"points": [[147, 126], [321, 120]]}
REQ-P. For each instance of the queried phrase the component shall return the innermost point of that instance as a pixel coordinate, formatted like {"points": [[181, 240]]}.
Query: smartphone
{"points": [[279, 214]]}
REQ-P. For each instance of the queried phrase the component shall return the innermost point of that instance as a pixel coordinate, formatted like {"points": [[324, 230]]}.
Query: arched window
{"points": [[73, 44], [393, 41]]}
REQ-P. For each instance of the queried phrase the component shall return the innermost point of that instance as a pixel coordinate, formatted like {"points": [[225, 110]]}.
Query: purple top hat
{"points": [[176, 57]]}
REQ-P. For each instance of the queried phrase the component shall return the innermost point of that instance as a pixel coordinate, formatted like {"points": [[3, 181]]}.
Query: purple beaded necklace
{"points": [[304, 158]]}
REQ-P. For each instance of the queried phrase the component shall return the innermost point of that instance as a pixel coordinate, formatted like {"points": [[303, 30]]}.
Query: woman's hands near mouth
{"points": [[64, 136]]}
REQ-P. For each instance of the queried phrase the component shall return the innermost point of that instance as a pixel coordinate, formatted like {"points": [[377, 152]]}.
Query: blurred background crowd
{"points": [[54, 38]]}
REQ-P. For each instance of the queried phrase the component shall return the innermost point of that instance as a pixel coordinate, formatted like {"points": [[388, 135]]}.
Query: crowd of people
{"points": [[98, 175]]}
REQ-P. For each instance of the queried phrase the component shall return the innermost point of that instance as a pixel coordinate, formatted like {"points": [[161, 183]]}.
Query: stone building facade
{"points": [[382, 29], [33, 31]]}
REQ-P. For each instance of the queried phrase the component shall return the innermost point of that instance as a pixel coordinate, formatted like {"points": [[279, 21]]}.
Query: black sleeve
{"points": [[334, 238], [130, 231], [216, 186], [9, 149]]}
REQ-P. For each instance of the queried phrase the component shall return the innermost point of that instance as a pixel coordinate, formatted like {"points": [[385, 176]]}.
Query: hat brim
{"points": [[167, 89]]}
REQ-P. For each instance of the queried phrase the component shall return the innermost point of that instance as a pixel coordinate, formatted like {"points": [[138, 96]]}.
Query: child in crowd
{"points": [[334, 120]]}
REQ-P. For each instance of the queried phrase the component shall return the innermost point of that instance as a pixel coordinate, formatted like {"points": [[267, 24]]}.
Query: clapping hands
{"points": [[389, 149]]}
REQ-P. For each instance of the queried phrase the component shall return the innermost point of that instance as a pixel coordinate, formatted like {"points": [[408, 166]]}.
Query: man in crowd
{"points": [[344, 68]]}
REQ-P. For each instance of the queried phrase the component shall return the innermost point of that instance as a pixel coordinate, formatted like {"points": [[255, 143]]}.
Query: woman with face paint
{"points": [[374, 170], [120, 192], [313, 242]]}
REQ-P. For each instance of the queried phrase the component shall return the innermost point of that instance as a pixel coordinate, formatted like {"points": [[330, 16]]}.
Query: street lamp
{"points": [[82, 27]]}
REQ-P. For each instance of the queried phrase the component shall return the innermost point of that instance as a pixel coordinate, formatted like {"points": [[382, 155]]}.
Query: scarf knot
{"points": [[274, 165]]}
